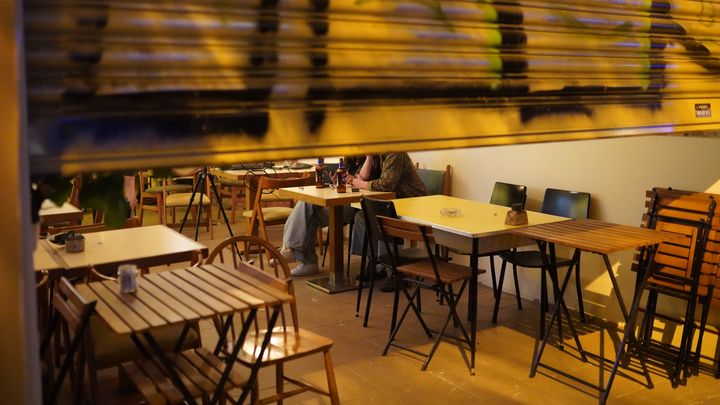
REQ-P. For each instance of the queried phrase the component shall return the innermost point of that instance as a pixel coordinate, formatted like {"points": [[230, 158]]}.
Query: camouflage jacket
{"points": [[399, 175]]}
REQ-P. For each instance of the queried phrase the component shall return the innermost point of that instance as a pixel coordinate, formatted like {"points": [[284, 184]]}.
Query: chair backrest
{"points": [[70, 319], [253, 255], [372, 208], [436, 181], [270, 184], [507, 194], [394, 228], [77, 183], [131, 222], [564, 203], [330, 169]]}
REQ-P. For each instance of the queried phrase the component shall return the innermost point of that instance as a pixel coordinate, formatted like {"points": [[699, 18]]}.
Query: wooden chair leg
{"points": [[517, 288], [578, 286], [279, 380], [332, 384], [254, 393]]}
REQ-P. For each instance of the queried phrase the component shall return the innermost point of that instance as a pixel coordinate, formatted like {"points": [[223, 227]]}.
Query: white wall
{"points": [[617, 172]]}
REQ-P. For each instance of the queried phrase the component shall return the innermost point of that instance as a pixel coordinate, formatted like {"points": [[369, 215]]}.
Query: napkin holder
{"points": [[516, 216]]}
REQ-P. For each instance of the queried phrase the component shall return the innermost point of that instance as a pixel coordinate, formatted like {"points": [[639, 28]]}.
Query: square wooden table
{"points": [[145, 246], [600, 238], [479, 228], [51, 214], [334, 201], [185, 296]]}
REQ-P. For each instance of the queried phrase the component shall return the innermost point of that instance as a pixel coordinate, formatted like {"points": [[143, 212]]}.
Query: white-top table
{"points": [[334, 201], [479, 228], [52, 214], [144, 246]]}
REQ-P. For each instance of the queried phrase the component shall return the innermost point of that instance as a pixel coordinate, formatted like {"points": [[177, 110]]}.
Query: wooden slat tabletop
{"points": [[596, 236], [182, 295]]}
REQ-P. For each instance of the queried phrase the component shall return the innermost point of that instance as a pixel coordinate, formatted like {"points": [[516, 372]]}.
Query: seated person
{"points": [[300, 233], [397, 173]]}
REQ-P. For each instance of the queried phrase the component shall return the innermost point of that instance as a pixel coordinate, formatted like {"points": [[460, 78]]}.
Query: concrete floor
{"points": [[504, 353]]}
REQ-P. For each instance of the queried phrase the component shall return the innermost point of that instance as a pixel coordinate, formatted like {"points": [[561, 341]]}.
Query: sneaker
{"points": [[287, 253], [304, 269], [388, 285], [379, 274]]}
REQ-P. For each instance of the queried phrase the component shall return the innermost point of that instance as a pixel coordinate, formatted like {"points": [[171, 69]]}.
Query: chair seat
{"points": [[172, 188], [231, 182], [227, 202], [183, 199], [530, 258], [284, 345], [449, 272], [273, 197], [112, 349], [272, 213]]}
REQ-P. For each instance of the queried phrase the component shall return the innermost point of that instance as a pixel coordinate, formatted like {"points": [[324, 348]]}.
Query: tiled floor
{"points": [[504, 354]]}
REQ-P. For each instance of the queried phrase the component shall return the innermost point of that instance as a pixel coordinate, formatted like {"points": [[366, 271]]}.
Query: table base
{"points": [[333, 284]]}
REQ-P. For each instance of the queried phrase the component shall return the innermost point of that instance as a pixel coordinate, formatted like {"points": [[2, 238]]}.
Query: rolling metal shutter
{"points": [[126, 84]]}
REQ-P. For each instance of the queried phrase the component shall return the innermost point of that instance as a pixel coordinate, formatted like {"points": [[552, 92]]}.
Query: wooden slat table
{"points": [[334, 201], [185, 296], [595, 237]]}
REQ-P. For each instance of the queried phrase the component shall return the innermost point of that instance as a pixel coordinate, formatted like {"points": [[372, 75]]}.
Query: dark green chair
{"points": [[436, 181], [563, 203]]}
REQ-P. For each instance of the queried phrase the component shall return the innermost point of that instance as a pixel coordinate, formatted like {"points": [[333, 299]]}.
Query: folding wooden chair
{"points": [[432, 274]]}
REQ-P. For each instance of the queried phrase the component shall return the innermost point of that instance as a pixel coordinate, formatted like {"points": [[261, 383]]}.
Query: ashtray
{"points": [[450, 212]]}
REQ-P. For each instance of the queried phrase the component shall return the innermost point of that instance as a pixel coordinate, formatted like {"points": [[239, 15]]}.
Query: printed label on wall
{"points": [[703, 110]]}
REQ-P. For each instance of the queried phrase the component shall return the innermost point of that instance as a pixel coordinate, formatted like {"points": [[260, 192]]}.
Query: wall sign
{"points": [[703, 110]]}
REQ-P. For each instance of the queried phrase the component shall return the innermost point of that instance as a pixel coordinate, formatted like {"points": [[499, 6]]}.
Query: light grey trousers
{"points": [[300, 233]]}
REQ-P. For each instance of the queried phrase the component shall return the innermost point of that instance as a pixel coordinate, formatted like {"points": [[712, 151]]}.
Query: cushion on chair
{"points": [[530, 258], [176, 188], [112, 349], [183, 199], [272, 197], [272, 213], [231, 182]]}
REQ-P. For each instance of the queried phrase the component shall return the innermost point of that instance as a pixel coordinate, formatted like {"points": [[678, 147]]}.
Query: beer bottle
{"points": [[340, 176], [319, 171]]}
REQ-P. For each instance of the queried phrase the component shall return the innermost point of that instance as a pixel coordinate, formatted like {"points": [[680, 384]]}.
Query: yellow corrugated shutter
{"points": [[124, 84]]}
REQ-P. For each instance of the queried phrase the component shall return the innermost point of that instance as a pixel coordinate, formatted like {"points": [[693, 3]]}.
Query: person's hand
{"points": [[358, 182]]}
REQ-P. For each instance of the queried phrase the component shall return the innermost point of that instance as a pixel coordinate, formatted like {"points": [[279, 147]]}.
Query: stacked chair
{"points": [[682, 272]]}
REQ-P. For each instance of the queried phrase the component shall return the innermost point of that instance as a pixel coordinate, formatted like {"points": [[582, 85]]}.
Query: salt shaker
{"points": [[127, 278]]}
